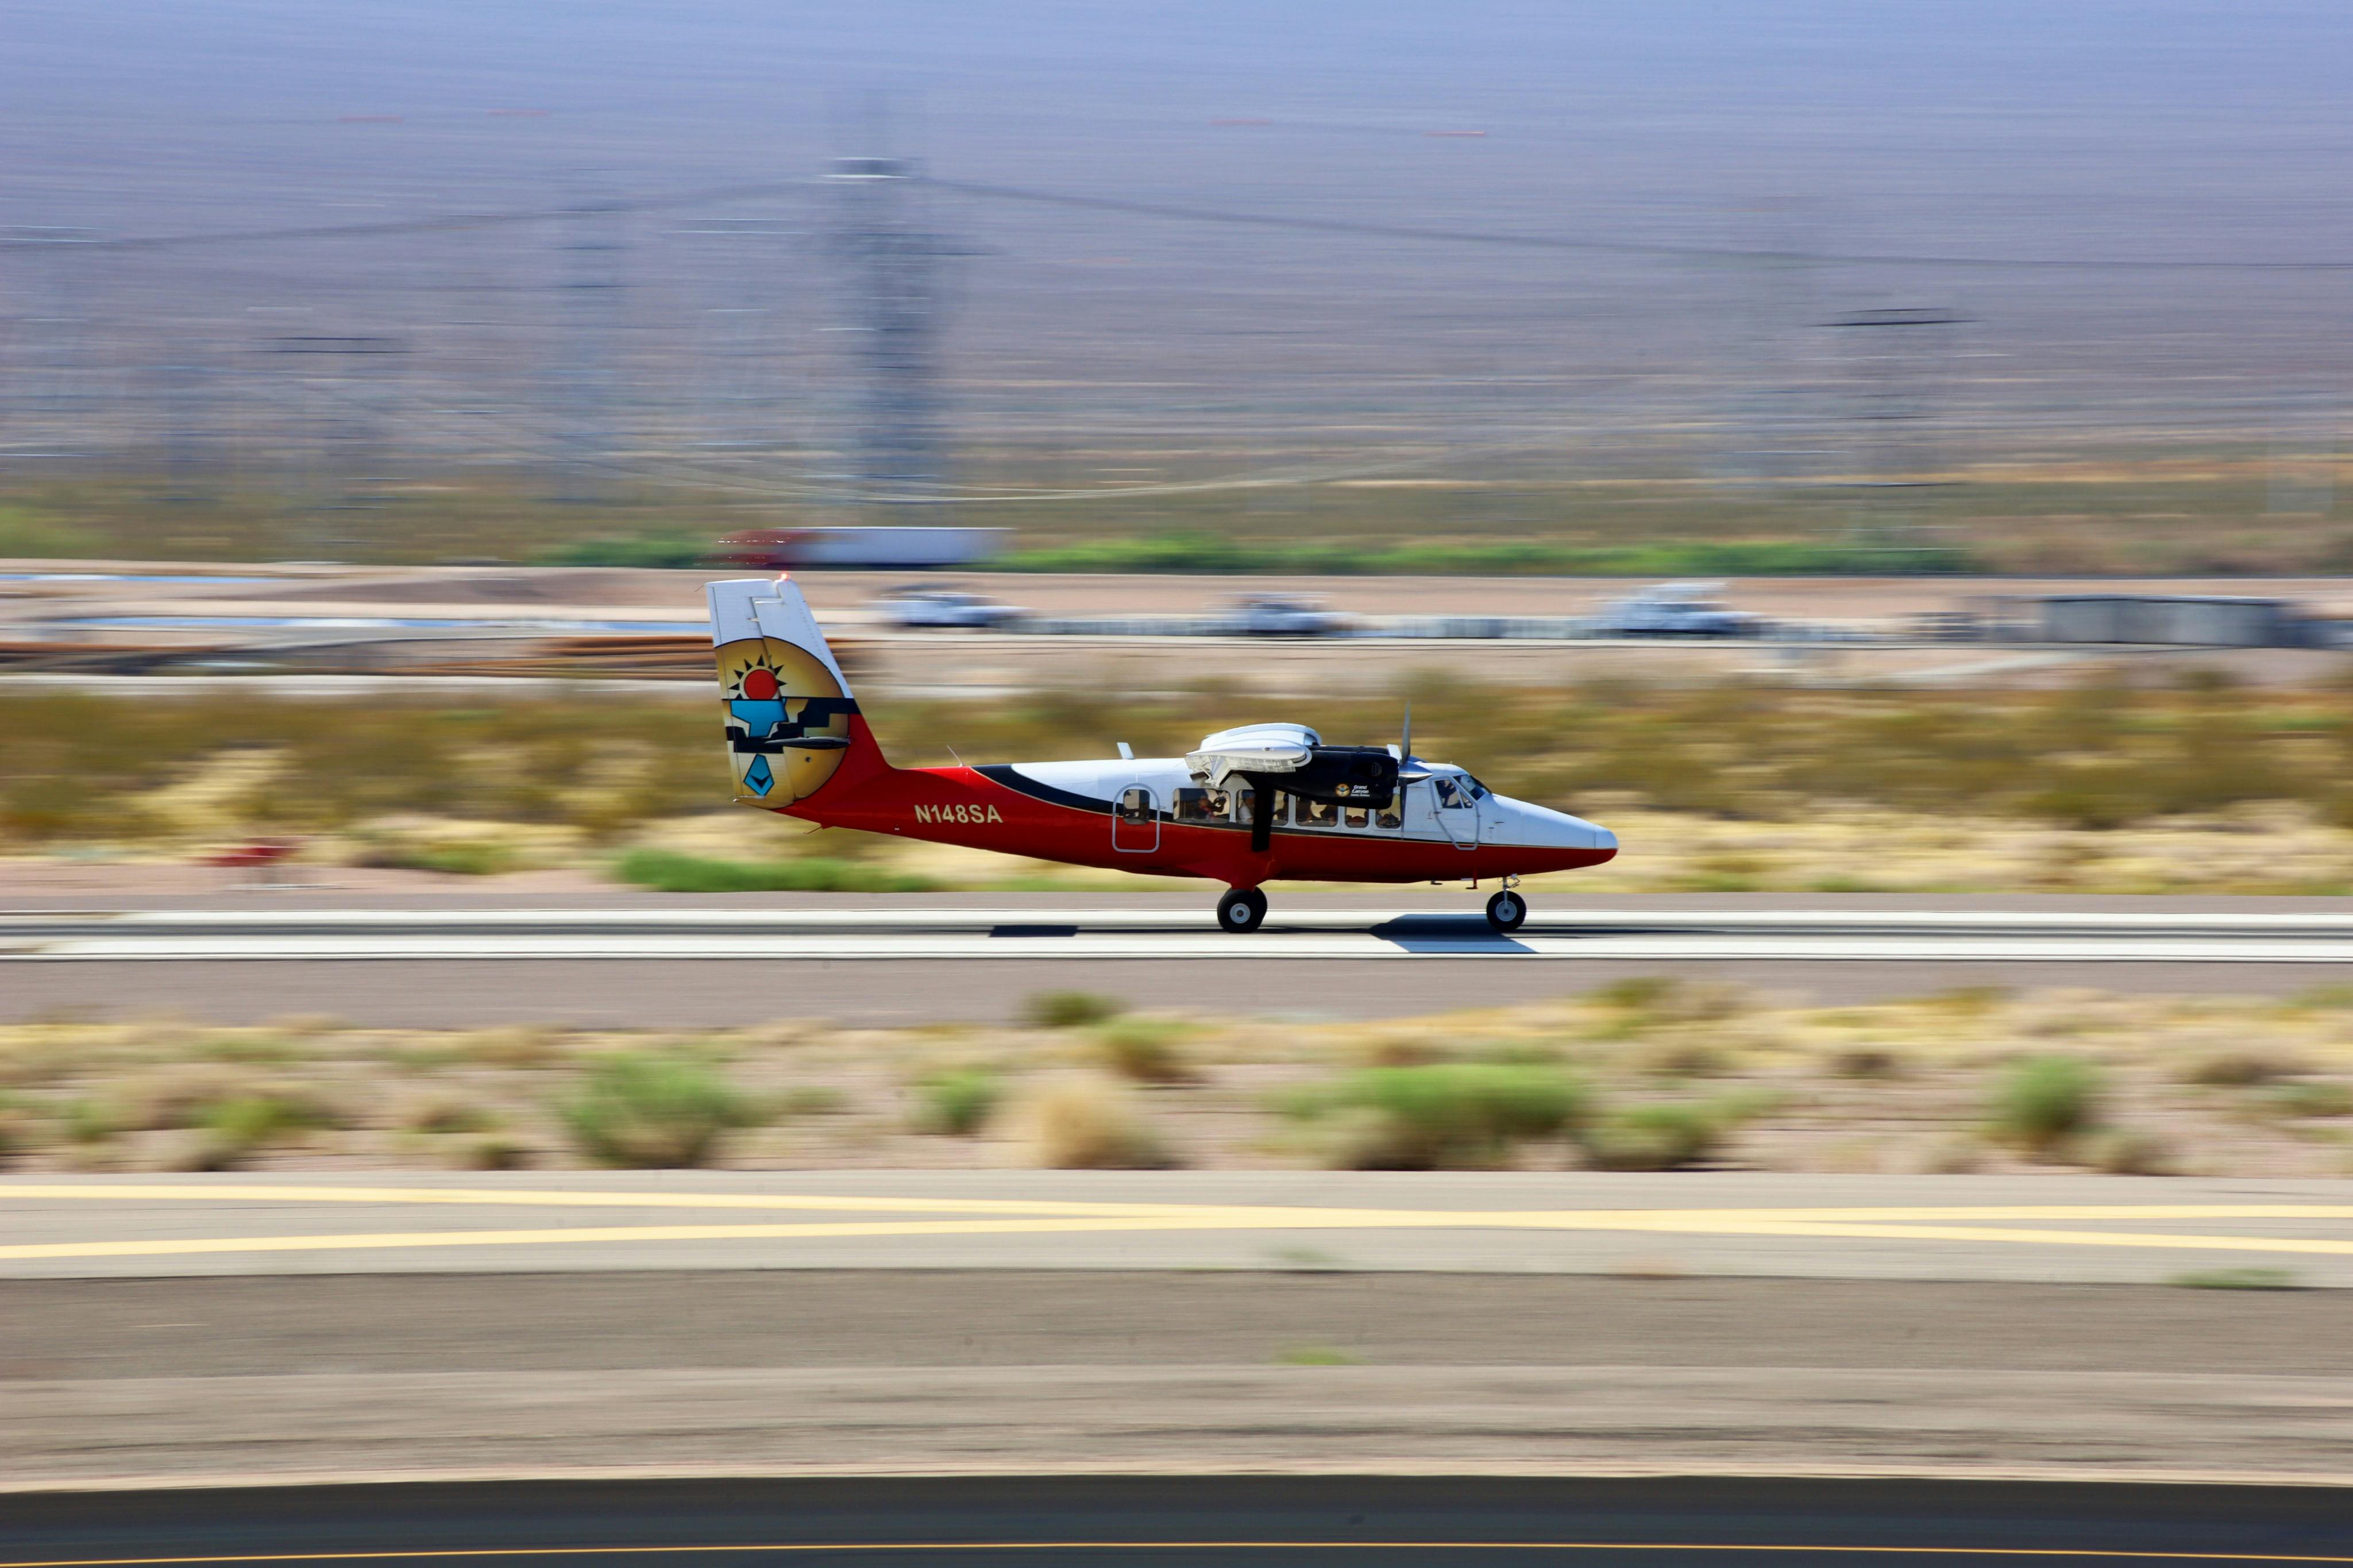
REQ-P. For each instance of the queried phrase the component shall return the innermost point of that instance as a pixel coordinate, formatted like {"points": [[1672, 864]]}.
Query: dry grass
{"points": [[1085, 1123], [1648, 1076], [1740, 786]]}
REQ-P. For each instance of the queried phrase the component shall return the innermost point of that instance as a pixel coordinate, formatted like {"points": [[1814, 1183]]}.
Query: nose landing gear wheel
{"points": [[1241, 909], [1507, 910]]}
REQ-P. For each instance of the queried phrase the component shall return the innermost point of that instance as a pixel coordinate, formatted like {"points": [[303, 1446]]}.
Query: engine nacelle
{"points": [[1294, 759]]}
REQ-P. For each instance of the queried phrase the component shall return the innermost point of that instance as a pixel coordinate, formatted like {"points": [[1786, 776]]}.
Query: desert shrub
{"points": [[470, 857], [88, 1120], [1086, 1122], [234, 1129], [2042, 1101], [1866, 1062], [16, 1130], [2132, 1151], [2237, 1069], [1068, 1009], [2310, 1097], [444, 1115], [1665, 1136], [1144, 1050], [492, 1151], [1443, 1115], [666, 872], [957, 1104], [649, 1111]]}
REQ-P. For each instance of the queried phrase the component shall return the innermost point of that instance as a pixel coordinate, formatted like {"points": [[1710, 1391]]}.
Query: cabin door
{"points": [[1458, 812], [1135, 820]]}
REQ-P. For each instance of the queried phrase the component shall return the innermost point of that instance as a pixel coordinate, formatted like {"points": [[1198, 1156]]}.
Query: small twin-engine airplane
{"points": [[1251, 806]]}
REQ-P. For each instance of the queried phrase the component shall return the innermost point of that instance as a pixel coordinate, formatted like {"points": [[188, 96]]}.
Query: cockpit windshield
{"points": [[1477, 790]]}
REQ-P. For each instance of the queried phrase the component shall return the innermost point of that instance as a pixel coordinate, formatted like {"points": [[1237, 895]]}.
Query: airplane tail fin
{"points": [[793, 728]]}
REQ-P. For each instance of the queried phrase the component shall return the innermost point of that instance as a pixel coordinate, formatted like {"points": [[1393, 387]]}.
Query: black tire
{"points": [[1507, 911], [1241, 909]]}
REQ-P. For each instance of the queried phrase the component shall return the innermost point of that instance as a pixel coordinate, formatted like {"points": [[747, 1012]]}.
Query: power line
{"points": [[1617, 247], [723, 195], [444, 223]]}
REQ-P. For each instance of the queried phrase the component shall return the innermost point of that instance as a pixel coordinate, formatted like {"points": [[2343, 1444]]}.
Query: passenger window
{"points": [[1282, 807], [1318, 814], [1200, 806], [1245, 801], [1357, 817], [1136, 805], [1393, 815]]}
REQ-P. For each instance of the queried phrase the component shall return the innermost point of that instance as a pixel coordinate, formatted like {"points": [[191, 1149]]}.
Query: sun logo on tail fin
{"points": [[787, 719]]}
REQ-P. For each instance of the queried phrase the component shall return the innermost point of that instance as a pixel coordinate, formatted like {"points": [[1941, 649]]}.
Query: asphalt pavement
{"points": [[2042, 1229], [624, 961], [1232, 1521]]}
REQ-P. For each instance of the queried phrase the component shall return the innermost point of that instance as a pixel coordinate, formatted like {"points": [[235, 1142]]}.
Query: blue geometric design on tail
{"points": [[758, 776]]}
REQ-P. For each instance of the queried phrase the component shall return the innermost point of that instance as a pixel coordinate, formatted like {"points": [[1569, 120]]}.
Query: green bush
{"points": [[666, 872], [957, 1104], [1444, 1115], [2041, 1102], [657, 549], [1664, 1137], [479, 858], [653, 1110], [234, 1129], [1068, 1009]]}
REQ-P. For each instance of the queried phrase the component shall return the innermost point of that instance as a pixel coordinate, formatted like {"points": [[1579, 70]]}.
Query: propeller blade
{"points": [[1405, 741]]}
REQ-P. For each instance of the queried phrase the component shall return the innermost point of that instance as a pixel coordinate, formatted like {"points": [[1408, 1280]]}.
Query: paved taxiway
{"points": [[2041, 1228], [196, 1329], [640, 961], [1181, 1522]]}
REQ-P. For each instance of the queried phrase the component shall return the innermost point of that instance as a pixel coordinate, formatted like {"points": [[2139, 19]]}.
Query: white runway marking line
{"points": [[934, 934], [1006, 1216]]}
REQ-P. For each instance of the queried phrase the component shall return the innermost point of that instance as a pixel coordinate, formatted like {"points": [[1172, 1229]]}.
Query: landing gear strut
{"points": [[1507, 910], [1241, 909]]}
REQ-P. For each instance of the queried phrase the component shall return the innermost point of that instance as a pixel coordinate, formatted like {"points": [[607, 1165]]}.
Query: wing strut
{"points": [[1262, 816]]}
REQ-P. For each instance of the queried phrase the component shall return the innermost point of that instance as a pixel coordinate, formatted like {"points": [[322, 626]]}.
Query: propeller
{"points": [[1407, 772]]}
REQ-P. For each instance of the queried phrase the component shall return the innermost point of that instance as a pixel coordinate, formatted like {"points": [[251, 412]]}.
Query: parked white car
{"points": [[1280, 615], [926, 608], [1677, 610]]}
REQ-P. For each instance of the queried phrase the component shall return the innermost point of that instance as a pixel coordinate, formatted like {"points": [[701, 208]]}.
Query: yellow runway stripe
{"points": [[847, 1202], [944, 1546], [1016, 1216], [1262, 1220]]}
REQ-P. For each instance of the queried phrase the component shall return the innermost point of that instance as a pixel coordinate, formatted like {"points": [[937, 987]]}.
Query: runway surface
{"points": [[2042, 1229], [1411, 1522], [429, 956], [1077, 933]]}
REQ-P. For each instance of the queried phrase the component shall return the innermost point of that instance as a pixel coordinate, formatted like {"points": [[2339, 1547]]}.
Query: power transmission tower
{"points": [[50, 414], [591, 294], [737, 363], [1899, 359], [342, 411], [894, 303]]}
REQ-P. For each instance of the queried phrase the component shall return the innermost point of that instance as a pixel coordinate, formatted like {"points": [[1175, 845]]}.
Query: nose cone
{"points": [[1596, 836], [1539, 828]]}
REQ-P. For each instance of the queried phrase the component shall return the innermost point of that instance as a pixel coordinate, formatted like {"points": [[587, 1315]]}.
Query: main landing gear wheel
{"points": [[1242, 909], [1507, 910]]}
